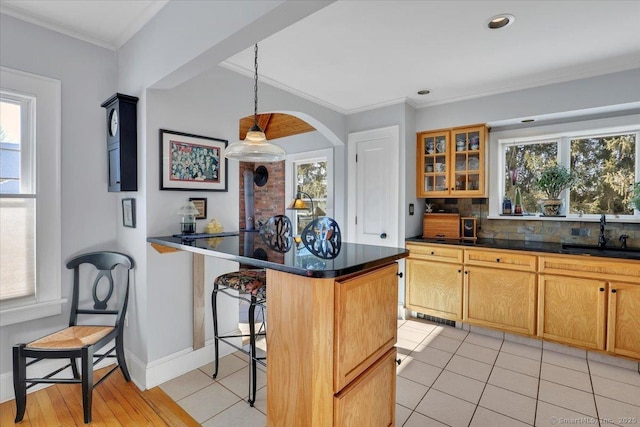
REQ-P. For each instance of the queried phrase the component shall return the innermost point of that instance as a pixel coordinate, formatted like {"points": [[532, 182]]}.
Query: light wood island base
{"points": [[330, 343]]}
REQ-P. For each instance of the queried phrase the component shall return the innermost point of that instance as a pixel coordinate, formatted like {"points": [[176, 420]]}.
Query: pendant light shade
{"points": [[255, 147]]}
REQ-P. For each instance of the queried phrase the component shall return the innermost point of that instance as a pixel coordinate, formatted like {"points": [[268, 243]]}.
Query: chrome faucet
{"points": [[602, 241]]}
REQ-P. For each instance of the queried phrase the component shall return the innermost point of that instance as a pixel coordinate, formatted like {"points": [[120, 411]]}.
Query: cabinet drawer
{"points": [[435, 253], [500, 259], [365, 322], [370, 399], [609, 269]]}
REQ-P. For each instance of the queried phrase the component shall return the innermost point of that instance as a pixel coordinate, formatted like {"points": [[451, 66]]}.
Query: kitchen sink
{"points": [[598, 251]]}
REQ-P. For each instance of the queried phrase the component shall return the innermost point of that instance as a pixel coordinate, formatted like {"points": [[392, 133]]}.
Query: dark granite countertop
{"points": [[531, 246], [248, 248]]}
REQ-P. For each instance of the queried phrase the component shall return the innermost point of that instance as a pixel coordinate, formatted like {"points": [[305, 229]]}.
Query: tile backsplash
{"points": [[539, 230]]}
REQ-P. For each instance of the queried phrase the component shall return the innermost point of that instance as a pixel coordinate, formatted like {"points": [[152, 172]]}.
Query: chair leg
{"points": [[120, 356], [19, 381], [87, 382], [74, 368], [214, 311], [252, 353]]}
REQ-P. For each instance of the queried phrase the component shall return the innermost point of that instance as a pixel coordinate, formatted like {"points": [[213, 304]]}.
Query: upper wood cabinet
{"points": [[451, 162]]}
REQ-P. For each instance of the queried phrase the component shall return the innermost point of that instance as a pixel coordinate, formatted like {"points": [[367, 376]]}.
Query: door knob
{"points": [[383, 235]]}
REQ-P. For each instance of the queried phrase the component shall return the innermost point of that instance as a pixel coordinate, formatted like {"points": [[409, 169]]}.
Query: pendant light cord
{"points": [[255, 87]]}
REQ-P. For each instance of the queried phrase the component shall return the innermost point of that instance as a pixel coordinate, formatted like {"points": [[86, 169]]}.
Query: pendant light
{"points": [[255, 147]]}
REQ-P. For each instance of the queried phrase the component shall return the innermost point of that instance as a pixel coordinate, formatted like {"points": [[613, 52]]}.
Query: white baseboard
{"points": [[403, 313]]}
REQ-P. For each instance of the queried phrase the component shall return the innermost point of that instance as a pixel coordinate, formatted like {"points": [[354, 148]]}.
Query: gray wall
{"points": [[89, 212]]}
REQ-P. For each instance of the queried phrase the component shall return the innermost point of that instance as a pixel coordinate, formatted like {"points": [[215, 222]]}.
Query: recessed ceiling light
{"points": [[501, 21], [527, 120], [424, 92]]}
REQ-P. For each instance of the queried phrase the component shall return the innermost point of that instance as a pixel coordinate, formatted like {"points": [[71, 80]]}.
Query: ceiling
{"points": [[353, 55]]}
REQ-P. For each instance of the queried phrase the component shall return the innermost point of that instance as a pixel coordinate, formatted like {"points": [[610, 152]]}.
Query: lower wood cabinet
{"points": [[623, 331], [587, 302], [370, 399], [434, 280], [497, 298], [573, 310], [434, 288]]}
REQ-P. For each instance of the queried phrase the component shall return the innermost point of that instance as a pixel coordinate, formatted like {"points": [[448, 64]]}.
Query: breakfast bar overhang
{"points": [[332, 326]]}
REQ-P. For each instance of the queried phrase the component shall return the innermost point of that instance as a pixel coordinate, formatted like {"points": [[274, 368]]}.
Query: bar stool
{"points": [[249, 286]]}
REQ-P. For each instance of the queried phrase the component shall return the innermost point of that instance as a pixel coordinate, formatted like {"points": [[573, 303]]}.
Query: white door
{"points": [[374, 187]]}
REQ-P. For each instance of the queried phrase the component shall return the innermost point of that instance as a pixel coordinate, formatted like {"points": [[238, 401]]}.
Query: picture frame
{"points": [[201, 204], [192, 162], [129, 212]]}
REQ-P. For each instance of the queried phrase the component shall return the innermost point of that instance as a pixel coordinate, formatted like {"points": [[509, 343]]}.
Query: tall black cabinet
{"points": [[122, 142]]}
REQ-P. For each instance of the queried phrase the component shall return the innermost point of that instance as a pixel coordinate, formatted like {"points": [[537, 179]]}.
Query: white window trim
{"points": [[308, 157], [48, 300], [623, 124]]}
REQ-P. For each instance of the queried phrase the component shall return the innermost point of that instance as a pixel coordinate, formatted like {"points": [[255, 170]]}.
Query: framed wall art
{"points": [[192, 162], [129, 213], [201, 204]]}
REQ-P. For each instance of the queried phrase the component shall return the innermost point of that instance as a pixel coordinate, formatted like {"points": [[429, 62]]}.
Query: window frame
{"points": [[47, 105], [563, 134]]}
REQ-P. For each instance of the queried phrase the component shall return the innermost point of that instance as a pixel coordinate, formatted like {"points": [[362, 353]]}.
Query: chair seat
{"points": [[245, 281], [73, 337]]}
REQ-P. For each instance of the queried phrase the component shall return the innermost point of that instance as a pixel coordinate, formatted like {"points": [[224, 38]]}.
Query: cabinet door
{"points": [[366, 313], [434, 288], [432, 164], [467, 161], [503, 299], [572, 310], [623, 331], [370, 399]]}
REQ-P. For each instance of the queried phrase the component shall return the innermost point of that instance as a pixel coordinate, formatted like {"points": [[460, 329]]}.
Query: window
{"points": [[605, 162], [310, 173], [30, 260], [17, 197]]}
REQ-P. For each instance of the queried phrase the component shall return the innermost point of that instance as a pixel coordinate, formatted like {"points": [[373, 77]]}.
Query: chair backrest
{"points": [[322, 237], [106, 276], [277, 233]]}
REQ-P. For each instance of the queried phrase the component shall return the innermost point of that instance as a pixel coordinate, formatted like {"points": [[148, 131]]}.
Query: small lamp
{"points": [[188, 213], [298, 204]]}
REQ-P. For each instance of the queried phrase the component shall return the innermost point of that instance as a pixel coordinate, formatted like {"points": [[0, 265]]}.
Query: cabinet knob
{"points": [[497, 259], [613, 291], [459, 271], [601, 289], [432, 253], [383, 235], [466, 272], [398, 361], [399, 274]]}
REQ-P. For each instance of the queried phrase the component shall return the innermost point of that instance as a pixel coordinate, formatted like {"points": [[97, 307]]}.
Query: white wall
{"points": [[594, 92], [89, 212]]}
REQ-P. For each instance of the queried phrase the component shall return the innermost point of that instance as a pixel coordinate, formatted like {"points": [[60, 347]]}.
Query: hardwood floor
{"points": [[115, 403]]}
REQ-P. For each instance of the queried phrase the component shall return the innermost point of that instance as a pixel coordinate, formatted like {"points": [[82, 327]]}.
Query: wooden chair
{"points": [[104, 302]]}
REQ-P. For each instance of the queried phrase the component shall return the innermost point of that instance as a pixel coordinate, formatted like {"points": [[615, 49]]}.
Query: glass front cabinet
{"points": [[451, 162]]}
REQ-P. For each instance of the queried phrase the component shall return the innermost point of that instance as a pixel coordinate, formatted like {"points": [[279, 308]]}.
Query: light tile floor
{"points": [[454, 377]]}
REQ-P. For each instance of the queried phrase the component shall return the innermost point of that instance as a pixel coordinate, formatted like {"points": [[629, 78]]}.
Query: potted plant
{"points": [[552, 181]]}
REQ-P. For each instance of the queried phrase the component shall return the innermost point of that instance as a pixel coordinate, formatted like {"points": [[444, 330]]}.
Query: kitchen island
{"points": [[332, 327]]}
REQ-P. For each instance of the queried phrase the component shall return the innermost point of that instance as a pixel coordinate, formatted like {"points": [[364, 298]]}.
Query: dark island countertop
{"points": [[532, 246], [248, 248]]}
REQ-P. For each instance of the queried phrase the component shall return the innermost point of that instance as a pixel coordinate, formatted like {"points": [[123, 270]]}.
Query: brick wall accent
{"points": [[269, 199]]}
